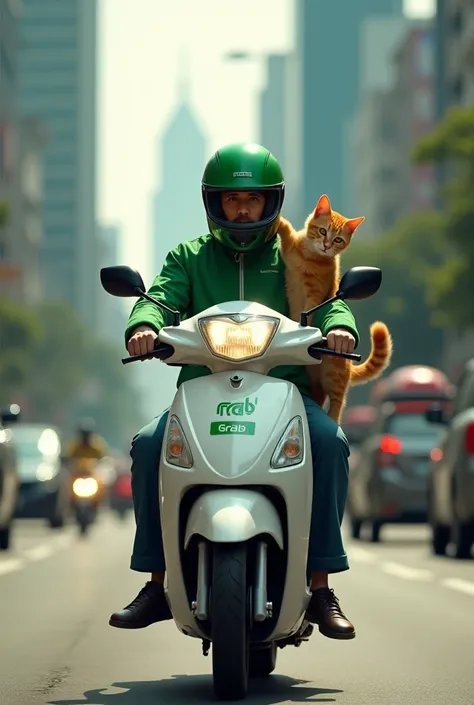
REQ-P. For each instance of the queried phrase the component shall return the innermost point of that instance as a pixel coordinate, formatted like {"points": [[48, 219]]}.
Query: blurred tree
{"points": [[4, 213], [19, 334], [113, 402], [450, 287], [407, 255], [58, 361], [64, 371]]}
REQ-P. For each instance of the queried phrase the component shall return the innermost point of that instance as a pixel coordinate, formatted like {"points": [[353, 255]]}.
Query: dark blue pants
{"points": [[330, 451]]}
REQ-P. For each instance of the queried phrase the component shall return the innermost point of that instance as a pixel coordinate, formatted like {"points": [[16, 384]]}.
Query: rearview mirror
{"points": [[122, 281], [359, 283], [435, 414], [10, 414]]}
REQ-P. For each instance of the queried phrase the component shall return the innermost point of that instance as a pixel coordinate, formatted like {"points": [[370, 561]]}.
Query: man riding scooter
{"points": [[242, 245]]}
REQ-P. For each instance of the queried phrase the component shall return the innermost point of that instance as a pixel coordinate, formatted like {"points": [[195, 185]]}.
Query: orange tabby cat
{"points": [[312, 275]]}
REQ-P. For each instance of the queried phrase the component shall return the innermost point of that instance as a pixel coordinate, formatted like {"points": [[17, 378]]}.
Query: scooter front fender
{"points": [[233, 516]]}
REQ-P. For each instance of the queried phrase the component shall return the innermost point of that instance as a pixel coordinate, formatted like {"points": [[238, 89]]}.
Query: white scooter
{"points": [[236, 477]]}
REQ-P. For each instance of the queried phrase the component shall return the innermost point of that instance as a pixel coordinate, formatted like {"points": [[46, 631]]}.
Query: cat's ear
{"points": [[353, 223], [323, 207]]}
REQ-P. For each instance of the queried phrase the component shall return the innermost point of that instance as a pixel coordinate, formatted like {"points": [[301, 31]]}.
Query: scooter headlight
{"points": [[85, 487], [290, 448], [238, 337], [177, 447]]}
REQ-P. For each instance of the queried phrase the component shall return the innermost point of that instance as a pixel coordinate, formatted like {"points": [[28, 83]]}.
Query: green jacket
{"points": [[202, 273]]}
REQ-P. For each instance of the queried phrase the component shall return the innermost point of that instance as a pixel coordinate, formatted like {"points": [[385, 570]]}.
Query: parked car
{"points": [[44, 479], [389, 484], [451, 473], [9, 481]]}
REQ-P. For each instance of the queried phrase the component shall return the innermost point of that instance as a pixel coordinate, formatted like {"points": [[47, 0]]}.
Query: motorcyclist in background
{"points": [[87, 444], [243, 190]]}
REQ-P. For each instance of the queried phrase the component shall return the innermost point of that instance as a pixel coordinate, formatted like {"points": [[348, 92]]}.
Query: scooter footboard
{"points": [[233, 515]]}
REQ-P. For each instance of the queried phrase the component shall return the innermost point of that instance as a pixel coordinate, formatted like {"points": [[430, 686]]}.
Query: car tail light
{"points": [[390, 446], [123, 486], [470, 439]]}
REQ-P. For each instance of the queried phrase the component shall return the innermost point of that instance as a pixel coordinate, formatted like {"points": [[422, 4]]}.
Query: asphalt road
{"points": [[414, 616]]}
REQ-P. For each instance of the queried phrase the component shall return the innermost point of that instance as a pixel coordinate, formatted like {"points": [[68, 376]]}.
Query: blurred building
{"points": [[325, 86], [454, 27], [390, 120], [378, 39], [455, 40], [21, 186], [178, 212], [58, 86], [111, 313], [178, 215], [276, 115]]}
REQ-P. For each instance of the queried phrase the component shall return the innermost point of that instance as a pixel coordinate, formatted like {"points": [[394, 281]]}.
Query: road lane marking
{"points": [[459, 585], [361, 555], [407, 573], [39, 552], [11, 565]]}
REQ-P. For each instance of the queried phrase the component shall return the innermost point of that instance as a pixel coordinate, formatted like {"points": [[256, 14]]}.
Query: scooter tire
{"points": [[230, 621], [84, 528]]}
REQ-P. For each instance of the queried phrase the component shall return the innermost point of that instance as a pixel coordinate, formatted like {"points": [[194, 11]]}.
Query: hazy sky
{"points": [[139, 58], [138, 81]]}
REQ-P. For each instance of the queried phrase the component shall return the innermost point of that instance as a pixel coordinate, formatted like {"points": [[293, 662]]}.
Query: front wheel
{"points": [[263, 661], [439, 539], [375, 531], [230, 621], [5, 538]]}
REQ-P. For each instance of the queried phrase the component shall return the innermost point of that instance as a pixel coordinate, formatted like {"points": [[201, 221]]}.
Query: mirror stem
{"points": [[305, 314], [175, 314]]}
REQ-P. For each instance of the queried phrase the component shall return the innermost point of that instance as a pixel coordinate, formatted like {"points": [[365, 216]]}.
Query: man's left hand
{"points": [[341, 340]]}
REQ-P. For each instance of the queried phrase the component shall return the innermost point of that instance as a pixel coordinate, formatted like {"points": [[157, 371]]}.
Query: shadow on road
{"points": [[198, 689]]}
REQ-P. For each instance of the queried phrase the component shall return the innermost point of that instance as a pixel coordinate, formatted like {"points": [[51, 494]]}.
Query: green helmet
{"points": [[243, 167]]}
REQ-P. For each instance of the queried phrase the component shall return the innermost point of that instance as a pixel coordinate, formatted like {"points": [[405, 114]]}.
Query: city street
{"points": [[414, 616]]}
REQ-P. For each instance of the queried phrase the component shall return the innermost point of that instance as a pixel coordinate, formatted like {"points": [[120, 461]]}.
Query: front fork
{"points": [[261, 608]]}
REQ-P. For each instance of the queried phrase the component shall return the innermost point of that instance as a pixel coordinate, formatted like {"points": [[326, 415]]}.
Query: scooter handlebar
{"points": [[161, 352]]}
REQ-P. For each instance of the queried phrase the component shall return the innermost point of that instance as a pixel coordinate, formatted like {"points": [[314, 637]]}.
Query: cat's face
{"points": [[329, 233]]}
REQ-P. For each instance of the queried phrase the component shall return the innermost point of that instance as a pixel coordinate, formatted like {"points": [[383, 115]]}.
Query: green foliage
{"points": [[4, 213], [58, 360], [407, 255], [48, 356], [117, 405], [19, 333], [450, 288]]}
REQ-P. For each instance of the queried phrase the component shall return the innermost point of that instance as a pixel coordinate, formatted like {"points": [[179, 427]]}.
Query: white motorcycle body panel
{"points": [[232, 434]]}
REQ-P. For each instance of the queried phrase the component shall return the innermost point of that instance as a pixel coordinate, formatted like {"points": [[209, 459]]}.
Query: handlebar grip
{"points": [[162, 352], [316, 351]]}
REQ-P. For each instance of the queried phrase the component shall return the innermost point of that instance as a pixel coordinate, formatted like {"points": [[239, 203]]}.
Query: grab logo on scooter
{"points": [[237, 408], [222, 428]]}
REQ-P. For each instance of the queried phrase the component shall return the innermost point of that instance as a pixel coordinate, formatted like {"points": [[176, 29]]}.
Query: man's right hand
{"points": [[142, 341]]}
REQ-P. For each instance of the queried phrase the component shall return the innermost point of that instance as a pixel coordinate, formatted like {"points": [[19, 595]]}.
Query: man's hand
{"points": [[142, 341], [341, 340]]}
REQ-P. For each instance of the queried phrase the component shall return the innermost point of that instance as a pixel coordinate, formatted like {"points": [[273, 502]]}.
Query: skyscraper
{"points": [[327, 39], [178, 207], [58, 85], [277, 111], [178, 214]]}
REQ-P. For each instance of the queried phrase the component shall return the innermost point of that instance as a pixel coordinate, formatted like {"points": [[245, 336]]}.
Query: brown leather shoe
{"points": [[147, 608], [325, 611]]}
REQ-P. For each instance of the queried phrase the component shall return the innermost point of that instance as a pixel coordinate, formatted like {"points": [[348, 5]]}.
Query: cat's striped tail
{"points": [[379, 358]]}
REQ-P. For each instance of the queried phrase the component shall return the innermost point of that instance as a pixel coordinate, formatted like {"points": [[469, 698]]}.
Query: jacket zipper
{"points": [[239, 257]]}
